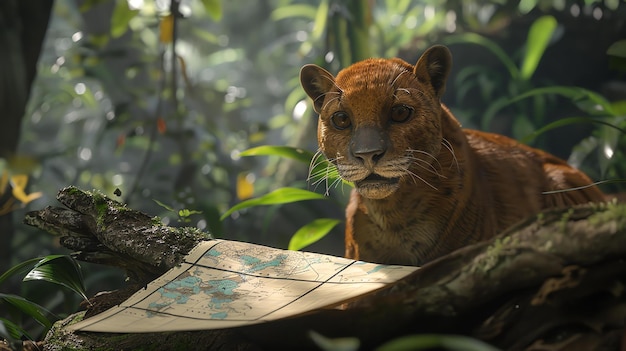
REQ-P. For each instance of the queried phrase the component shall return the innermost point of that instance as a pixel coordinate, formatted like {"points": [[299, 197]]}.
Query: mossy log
{"points": [[555, 281]]}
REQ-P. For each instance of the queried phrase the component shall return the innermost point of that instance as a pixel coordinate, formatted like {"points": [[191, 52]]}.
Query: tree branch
{"points": [[560, 273]]}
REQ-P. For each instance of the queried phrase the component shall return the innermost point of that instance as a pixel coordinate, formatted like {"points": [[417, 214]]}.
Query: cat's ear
{"points": [[316, 82], [433, 67]]}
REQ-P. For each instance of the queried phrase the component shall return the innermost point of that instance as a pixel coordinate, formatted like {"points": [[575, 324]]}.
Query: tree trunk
{"points": [[23, 25]]}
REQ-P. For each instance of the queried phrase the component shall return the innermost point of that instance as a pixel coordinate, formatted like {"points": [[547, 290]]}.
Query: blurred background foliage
{"points": [[158, 100]]}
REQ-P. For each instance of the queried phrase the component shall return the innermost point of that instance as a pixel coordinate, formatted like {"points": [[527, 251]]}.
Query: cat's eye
{"points": [[400, 113], [340, 120]]}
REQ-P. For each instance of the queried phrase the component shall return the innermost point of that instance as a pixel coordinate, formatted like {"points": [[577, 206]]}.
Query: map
{"points": [[224, 284]]}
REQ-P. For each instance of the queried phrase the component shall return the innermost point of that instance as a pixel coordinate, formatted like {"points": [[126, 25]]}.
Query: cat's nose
{"points": [[368, 145], [369, 158]]}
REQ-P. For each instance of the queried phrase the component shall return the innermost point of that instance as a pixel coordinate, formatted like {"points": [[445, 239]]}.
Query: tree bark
{"points": [[554, 281]]}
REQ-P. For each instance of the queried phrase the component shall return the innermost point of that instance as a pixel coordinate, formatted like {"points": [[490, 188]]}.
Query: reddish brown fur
{"points": [[486, 184]]}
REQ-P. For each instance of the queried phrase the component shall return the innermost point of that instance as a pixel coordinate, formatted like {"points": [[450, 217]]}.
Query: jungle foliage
{"points": [[175, 107]]}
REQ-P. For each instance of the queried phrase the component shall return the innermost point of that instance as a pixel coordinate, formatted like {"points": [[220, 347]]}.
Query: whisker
{"points": [[581, 187], [326, 177], [322, 96], [336, 181], [396, 78], [322, 175], [412, 160], [427, 154], [316, 160], [415, 175], [430, 169], [318, 178], [404, 90], [329, 101], [319, 181], [334, 184], [448, 146]]}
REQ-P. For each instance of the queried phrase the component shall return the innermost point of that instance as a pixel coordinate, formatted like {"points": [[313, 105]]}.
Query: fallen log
{"points": [[554, 281]]}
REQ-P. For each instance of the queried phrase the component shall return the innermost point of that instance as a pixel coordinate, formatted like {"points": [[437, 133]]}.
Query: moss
{"points": [[500, 248], [72, 190], [609, 212], [156, 221], [540, 217], [565, 218]]}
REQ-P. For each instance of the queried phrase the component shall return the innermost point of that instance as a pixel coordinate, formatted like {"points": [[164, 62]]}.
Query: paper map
{"points": [[224, 284]]}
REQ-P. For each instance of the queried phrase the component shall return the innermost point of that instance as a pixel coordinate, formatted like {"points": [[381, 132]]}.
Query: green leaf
{"points": [[299, 10], [521, 126], [169, 208], [617, 49], [567, 121], [29, 308], [59, 269], [526, 5], [295, 153], [492, 110], [582, 151], [334, 344], [430, 25], [293, 99], [474, 38], [122, 14], [187, 212], [609, 145], [587, 100], [276, 197], [205, 35], [611, 5], [214, 8], [467, 80], [321, 18], [89, 4], [17, 269], [619, 107], [538, 39], [401, 6], [312, 232], [12, 332], [224, 56], [430, 341]]}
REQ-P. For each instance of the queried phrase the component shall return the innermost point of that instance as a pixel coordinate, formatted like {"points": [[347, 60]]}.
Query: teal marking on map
{"points": [[219, 315], [250, 260], [255, 264], [158, 306], [187, 283], [221, 292], [376, 269], [176, 292], [224, 286], [181, 290], [213, 252]]}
